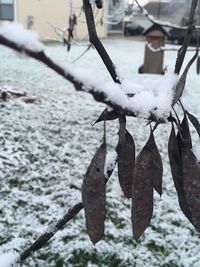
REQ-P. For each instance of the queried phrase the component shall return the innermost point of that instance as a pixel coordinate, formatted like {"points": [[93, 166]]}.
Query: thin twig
{"points": [[181, 54], [97, 93], [44, 238], [122, 129], [71, 213], [94, 39], [176, 115], [79, 85], [82, 54]]}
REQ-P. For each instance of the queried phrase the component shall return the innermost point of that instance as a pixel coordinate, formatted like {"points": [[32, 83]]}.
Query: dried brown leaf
{"points": [[93, 195], [191, 175], [195, 122], [107, 116], [126, 163], [185, 134], [191, 185], [156, 165], [181, 83], [177, 173], [198, 65], [142, 200]]}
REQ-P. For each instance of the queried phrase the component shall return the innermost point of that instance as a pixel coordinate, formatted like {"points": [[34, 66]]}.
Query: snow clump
{"points": [[15, 32]]}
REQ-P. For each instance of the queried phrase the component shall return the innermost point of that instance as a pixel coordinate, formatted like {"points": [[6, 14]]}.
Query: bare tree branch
{"points": [[94, 39], [44, 238], [82, 54], [97, 93], [71, 213]]}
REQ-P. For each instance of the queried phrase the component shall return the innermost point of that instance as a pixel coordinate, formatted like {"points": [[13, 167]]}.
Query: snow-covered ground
{"points": [[45, 149]]}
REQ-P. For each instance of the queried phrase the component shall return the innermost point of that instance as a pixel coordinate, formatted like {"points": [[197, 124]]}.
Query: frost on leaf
{"points": [[181, 83], [93, 195], [185, 171]]}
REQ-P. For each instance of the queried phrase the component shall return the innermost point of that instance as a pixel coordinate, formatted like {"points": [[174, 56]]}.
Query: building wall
{"points": [[54, 12]]}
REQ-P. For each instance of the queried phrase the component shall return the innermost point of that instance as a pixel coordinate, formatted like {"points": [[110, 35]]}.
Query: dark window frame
{"points": [[3, 17]]}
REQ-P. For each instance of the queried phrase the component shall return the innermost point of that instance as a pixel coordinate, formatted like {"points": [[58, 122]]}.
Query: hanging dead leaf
{"points": [[185, 134], [178, 91], [93, 195], [126, 162], [156, 165], [142, 200], [177, 173], [195, 122], [107, 115], [191, 175], [191, 185], [198, 65]]}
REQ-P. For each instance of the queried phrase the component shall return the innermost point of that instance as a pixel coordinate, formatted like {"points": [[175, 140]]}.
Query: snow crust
{"points": [[16, 33], [9, 260]]}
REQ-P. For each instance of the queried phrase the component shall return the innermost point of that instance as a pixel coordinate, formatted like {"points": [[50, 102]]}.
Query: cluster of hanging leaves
{"points": [[71, 28], [139, 177], [185, 169]]}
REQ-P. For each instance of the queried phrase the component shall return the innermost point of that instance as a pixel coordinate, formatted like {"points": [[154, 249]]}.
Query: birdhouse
{"points": [[154, 55]]}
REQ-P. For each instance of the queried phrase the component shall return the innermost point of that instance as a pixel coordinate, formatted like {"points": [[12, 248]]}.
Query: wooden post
{"points": [[153, 61]]}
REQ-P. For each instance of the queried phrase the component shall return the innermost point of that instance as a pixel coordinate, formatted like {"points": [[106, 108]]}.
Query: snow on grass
{"points": [[9, 260], [16, 33], [45, 149]]}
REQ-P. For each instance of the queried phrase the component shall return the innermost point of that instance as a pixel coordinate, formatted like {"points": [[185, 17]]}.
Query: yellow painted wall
{"points": [[55, 12]]}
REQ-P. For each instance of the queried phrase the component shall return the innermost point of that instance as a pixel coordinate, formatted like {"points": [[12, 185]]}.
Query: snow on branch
{"points": [[111, 94], [163, 48], [44, 238], [16, 33], [111, 160]]}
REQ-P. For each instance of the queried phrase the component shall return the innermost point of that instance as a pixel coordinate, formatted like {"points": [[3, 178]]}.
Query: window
{"points": [[6, 9]]}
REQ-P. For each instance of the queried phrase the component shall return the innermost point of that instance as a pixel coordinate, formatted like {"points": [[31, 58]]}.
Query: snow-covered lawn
{"points": [[45, 149]]}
